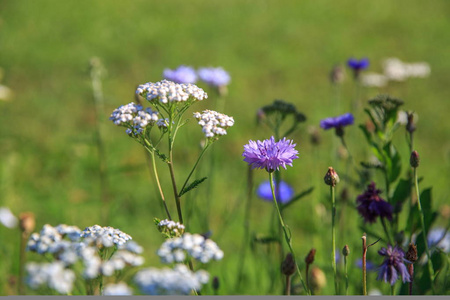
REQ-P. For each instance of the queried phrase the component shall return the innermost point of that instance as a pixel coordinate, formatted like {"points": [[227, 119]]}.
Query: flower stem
{"points": [[411, 275], [333, 237], [383, 222], [195, 166], [175, 191], [288, 285], [286, 235], [346, 275], [424, 233], [364, 279], [155, 171]]}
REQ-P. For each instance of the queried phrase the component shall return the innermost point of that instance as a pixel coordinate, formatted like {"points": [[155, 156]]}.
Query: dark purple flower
{"points": [[337, 122], [182, 74], [393, 265], [284, 194], [371, 205], [270, 155], [215, 77], [358, 65]]}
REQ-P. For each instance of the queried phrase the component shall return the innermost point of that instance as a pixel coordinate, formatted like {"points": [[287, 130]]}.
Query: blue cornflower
{"points": [[339, 121], [358, 65], [284, 194], [270, 155], [371, 205], [182, 74], [215, 77], [439, 238], [393, 265]]}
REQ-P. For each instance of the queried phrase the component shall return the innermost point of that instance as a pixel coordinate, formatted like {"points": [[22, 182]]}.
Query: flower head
{"points": [[213, 124], [215, 77], [358, 65], [105, 236], [134, 117], [166, 91], [183, 74], [283, 194], [337, 122], [371, 205], [117, 289], [270, 155], [7, 218], [439, 238], [393, 265]]}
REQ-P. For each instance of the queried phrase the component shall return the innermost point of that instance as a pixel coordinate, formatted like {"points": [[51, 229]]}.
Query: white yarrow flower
{"points": [[117, 289], [167, 91], [213, 123], [7, 218]]}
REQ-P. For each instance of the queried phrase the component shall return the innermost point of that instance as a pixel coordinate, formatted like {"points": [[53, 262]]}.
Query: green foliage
{"points": [[192, 185]]}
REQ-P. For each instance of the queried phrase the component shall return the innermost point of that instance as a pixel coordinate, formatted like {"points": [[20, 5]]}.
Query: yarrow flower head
{"points": [[338, 123], [170, 228], [215, 77], [166, 91], [105, 236], [134, 117], [393, 265], [358, 65], [283, 194], [182, 74], [117, 289], [371, 205], [213, 124], [270, 155], [194, 245], [52, 275]]}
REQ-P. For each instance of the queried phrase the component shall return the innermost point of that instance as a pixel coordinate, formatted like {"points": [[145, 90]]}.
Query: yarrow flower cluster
{"points": [[117, 289], [283, 194], [49, 237], [167, 92], [177, 281], [270, 155], [134, 117], [215, 77], [170, 228], [53, 275], [393, 265], [182, 74], [371, 205], [213, 123], [396, 70], [194, 245], [105, 236]]}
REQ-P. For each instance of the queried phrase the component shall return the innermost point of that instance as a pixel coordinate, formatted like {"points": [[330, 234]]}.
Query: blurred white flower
{"points": [[7, 218], [396, 70], [53, 275], [105, 236], [117, 289], [373, 80]]}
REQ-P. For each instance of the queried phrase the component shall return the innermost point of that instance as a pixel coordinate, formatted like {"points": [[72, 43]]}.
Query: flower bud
{"points": [[215, 283], [411, 255], [27, 222], [331, 178], [410, 127], [309, 259], [318, 279], [346, 250], [288, 266], [414, 159]]}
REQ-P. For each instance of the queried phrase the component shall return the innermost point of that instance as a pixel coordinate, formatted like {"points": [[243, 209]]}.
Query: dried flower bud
{"points": [[288, 265], [337, 74], [411, 255], [346, 250], [331, 178], [27, 222], [318, 279], [215, 283], [309, 259], [314, 135], [410, 126], [414, 159]]}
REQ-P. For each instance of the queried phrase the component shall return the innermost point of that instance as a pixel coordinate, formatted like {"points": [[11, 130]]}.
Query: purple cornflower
{"points": [[270, 155], [182, 74], [358, 65], [338, 123], [284, 194], [215, 77], [371, 205], [393, 265]]}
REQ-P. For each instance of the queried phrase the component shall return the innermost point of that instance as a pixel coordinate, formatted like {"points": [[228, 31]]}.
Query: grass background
{"points": [[272, 50]]}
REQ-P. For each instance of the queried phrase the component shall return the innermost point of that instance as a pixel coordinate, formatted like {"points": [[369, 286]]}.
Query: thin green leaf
{"points": [[297, 197], [192, 186]]}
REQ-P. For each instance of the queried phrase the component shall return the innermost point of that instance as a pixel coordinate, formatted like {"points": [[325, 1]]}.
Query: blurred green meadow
{"points": [[272, 50]]}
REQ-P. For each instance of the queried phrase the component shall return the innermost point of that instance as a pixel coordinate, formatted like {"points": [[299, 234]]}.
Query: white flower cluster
{"points": [[195, 245], [105, 236], [54, 275], [177, 281], [119, 261], [167, 91], [396, 70], [373, 80], [7, 218], [213, 123], [171, 228], [117, 289], [49, 239], [135, 117]]}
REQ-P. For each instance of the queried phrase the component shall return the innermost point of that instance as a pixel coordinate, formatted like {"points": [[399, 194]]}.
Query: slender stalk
{"points": [[195, 165], [411, 275], [307, 277], [22, 258], [175, 191], [392, 290], [346, 275], [286, 235], [155, 171], [383, 222], [288, 285], [364, 269], [333, 237], [424, 232]]}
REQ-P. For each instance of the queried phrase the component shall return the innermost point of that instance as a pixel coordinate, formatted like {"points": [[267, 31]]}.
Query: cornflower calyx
{"points": [[331, 177], [411, 255], [214, 124], [270, 155], [346, 250], [309, 259], [414, 159], [288, 266]]}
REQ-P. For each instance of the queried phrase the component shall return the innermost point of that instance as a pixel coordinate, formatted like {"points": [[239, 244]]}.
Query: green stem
{"points": [[346, 275], [383, 222], [195, 166], [155, 171], [392, 290], [333, 237], [175, 191], [424, 232], [286, 235]]}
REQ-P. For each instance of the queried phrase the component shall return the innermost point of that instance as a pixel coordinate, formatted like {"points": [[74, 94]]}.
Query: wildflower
{"points": [[288, 266], [213, 124], [371, 205], [177, 281], [215, 77], [170, 228], [119, 261], [194, 245], [7, 218], [337, 74], [374, 80], [52, 275], [117, 289], [165, 91], [270, 155], [414, 159], [105, 236], [396, 70], [134, 117], [439, 238], [49, 237], [331, 177], [283, 194], [393, 265], [183, 74], [358, 65], [338, 123]]}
